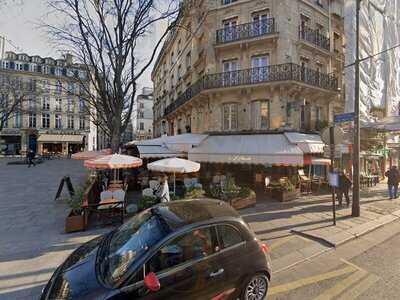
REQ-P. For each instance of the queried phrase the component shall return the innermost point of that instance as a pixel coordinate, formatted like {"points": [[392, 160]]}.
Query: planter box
{"points": [[284, 196], [240, 203], [74, 223]]}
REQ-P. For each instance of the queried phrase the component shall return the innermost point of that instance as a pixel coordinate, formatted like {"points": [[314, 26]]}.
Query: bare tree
{"points": [[106, 37], [13, 93]]}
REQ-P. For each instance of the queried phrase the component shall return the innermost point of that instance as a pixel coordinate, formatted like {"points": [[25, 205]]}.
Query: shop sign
{"points": [[240, 158]]}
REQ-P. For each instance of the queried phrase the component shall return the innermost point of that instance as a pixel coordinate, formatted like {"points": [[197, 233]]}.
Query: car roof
{"points": [[178, 214]]}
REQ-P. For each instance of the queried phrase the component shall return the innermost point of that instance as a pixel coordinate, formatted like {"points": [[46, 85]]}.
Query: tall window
{"points": [[70, 122], [4, 116], [141, 114], [70, 105], [230, 30], [261, 24], [32, 120], [188, 60], [260, 114], [58, 104], [58, 87], [230, 75], [32, 103], [18, 119], [58, 121], [45, 120], [81, 105], [141, 126], [230, 116], [46, 103], [82, 123], [259, 65]]}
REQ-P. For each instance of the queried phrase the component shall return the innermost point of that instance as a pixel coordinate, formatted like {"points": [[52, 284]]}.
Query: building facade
{"points": [[52, 117], [237, 66], [143, 118]]}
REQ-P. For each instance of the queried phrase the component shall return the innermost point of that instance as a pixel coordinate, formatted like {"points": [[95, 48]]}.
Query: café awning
{"points": [[317, 161], [157, 151], [60, 138], [308, 143], [258, 149]]}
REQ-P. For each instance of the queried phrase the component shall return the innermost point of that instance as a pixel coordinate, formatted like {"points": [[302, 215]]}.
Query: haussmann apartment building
{"points": [[52, 118], [261, 78]]}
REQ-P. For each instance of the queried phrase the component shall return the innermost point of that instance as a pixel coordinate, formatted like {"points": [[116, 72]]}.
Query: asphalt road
{"points": [[365, 268]]}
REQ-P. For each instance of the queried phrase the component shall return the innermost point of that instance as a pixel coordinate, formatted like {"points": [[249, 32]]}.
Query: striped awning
{"points": [[60, 138], [257, 149]]}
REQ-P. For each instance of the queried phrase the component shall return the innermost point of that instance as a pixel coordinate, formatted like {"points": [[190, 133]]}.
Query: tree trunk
{"points": [[115, 141]]}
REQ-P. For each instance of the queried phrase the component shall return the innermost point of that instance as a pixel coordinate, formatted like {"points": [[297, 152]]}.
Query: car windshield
{"points": [[129, 242]]}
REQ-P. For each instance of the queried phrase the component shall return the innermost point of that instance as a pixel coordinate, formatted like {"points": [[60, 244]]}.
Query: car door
{"points": [[186, 267], [232, 256]]}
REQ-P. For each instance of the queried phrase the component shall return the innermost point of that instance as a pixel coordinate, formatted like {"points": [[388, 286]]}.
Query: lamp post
{"points": [[355, 211]]}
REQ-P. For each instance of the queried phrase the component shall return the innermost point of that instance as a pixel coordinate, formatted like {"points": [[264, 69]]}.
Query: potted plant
{"points": [[75, 220]]}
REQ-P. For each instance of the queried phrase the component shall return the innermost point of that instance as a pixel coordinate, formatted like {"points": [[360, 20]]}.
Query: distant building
{"points": [[128, 135], [143, 118], [53, 119]]}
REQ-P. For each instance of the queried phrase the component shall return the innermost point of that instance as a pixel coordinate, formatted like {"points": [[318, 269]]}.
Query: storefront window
{"points": [[260, 114], [230, 116]]}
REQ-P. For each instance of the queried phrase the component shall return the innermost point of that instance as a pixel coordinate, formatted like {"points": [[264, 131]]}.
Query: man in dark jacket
{"points": [[31, 156], [393, 176], [344, 187]]}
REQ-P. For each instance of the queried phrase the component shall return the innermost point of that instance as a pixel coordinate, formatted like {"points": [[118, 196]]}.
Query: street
{"points": [[366, 268]]}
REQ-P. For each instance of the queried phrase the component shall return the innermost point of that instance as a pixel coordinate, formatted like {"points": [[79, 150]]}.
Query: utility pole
{"points": [[355, 211]]}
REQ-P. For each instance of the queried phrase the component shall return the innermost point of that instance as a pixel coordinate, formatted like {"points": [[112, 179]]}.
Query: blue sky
{"points": [[19, 24]]}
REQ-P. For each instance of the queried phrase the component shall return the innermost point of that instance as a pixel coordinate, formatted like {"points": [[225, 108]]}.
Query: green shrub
{"points": [[194, 192], [146, 202], [75, 201]]}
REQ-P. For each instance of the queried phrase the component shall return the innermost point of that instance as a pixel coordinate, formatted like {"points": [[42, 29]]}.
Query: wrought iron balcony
{"points": [[246, 31], [274, 73], [314, 37]]}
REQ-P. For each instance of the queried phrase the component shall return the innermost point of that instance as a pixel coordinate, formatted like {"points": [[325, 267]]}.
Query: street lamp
{"points": [[355, 210]]}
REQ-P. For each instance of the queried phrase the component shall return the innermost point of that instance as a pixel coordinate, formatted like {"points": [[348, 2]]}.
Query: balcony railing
{"points": [[246, 31], [314, 37], [282, 72]]}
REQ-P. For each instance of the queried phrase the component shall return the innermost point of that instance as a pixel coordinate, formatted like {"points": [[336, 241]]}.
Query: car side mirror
{"points": [[151, 282]]}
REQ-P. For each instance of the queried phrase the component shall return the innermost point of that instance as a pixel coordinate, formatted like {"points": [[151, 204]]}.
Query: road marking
{"points": [[310, 280], [341, 286], [281, 241], [360, 288], [353, 265]]}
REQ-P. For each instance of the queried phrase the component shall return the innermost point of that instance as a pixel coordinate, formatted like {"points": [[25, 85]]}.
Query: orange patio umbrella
{"points": [[91, 154], [113, 161]]}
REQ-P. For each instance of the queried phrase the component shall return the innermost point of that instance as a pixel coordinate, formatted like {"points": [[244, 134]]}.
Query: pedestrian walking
{"points": [[344, 188], [163, 190], [393, 176], [30, 156]]}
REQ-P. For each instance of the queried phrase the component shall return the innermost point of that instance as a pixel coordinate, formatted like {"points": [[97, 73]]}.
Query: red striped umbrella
{"points": [[91, 154], [114, 161]]}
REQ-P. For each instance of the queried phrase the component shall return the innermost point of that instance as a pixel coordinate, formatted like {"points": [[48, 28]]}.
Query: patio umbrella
{"points": [[113, 161], [174, 165], [91, 154]]}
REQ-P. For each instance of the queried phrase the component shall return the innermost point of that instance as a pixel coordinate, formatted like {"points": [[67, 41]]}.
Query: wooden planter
{"points": [[240, 203], [75, 223], [284, 196]]}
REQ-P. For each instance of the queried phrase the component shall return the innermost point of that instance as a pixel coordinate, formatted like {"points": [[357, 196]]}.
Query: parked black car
{"points": [[178, 250]]}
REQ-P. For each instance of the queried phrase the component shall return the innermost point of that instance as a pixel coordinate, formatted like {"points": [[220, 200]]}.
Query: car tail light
{"points": [[263, 247]]}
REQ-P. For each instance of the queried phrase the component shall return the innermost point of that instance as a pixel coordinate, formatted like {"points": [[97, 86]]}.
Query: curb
{"points": [[335, 241]]}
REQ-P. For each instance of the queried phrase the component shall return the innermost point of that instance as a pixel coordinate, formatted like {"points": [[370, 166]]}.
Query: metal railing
{"points": [[314, 37], [282, 72], [246, 31]]}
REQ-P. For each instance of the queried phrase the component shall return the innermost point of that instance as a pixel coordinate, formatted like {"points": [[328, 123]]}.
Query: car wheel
{"points": [[256, 288]]}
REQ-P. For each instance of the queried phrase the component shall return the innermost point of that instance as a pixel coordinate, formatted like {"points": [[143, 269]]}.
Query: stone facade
{"points": [[144, 115], [250, 66], [52, 117]]}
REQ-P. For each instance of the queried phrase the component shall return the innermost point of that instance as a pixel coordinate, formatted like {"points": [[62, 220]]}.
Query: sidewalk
{"points": [[305, 226]]}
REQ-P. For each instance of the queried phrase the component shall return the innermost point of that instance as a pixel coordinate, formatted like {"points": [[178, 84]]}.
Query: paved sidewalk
{"points": [[33, 242], [301, 229]]}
